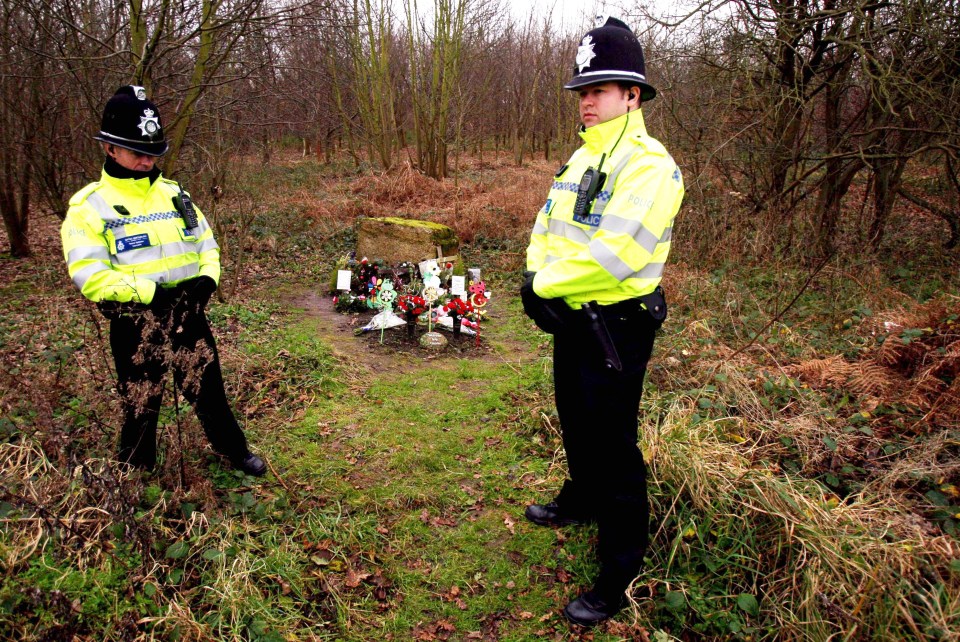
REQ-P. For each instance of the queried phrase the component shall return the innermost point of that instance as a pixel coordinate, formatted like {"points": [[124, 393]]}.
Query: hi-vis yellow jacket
{"points": [[122, 238], [617, 249]]}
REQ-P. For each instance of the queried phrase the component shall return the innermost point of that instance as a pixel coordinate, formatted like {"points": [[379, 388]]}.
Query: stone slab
{"points": [[398, 239]]}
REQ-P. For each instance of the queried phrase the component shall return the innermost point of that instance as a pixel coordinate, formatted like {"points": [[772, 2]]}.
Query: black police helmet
{"points": [[610, 52], [132, 122]]}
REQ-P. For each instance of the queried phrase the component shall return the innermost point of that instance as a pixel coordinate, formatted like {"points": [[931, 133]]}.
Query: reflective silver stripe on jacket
{"points": [[620, 270], [207, 245], [101, 207], [538, 229], [568, 231], [631, 227], [83, 275], [113, 220], [604, 197], [174, 275], [610, 261], [97, 252], [202, 228], [650, 271]]}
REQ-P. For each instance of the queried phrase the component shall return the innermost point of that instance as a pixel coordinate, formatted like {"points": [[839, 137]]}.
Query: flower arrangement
{"points": [[412, 304], [346, 302], [417, 292], [457, 306]]}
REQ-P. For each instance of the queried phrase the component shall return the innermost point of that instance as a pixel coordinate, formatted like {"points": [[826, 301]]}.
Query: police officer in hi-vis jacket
{"points": [[594, 263], [137, 246]]}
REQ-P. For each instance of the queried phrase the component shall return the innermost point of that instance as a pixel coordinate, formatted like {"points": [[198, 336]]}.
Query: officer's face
{"points": [[602, 102], [131, 160]]}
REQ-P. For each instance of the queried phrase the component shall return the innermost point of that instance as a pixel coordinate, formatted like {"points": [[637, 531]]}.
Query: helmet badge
{"points": [[585, 53], [139, 92], [149, 124]]}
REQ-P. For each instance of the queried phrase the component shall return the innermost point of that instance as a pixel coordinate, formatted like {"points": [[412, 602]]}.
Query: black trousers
{"points": [[598, 411], [144, 349]]}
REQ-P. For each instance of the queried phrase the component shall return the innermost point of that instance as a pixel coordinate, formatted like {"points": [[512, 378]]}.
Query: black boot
{"points": [[251, 465], [590, 609], [551, 515]]}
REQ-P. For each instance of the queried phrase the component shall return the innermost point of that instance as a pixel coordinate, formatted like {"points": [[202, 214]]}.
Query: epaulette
{"points": [[650, 145], [172, 184], [81, 196]]}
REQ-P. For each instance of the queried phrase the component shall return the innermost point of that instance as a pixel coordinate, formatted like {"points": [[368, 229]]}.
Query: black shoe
{"points": [[550, 515], [251, 465], [589, 609]]}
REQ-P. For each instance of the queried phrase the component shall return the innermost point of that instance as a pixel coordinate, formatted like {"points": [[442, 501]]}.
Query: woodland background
{"points": [[773, 109], [801, 417]]}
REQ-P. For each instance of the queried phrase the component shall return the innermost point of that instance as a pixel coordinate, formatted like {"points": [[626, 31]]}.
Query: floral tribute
{"points": [[457, 309], [420, 293], [412, 303]]}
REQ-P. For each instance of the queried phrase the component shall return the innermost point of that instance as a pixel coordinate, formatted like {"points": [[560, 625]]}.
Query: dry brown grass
{"points": [[827, 566], [500, 204]]}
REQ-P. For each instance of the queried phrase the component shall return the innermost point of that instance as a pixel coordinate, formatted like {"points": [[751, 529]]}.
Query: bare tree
{"points": [[799, 99], [436, 51]]}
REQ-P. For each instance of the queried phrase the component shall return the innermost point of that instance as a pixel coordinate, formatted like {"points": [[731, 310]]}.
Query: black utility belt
{"points": [[622, 307], [654, 303], [595, 315]]}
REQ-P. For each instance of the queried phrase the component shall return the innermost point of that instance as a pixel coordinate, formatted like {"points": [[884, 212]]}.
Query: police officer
{"points": [[595, 259], [135, 244]]}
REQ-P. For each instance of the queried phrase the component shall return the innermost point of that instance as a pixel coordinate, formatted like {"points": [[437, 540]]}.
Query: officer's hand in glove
{"points": [[529, 298], [548, 314], [115, 309], [163, 301], [200, 290]]}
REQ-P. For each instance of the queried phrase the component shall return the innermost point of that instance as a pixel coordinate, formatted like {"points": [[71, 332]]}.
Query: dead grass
{"points": [[850, 566], [502, 204]]}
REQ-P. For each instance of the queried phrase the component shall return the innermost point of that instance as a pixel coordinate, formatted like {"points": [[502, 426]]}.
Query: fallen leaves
{"points": [[439, 630], [453, 595], [347, 572], [436, 521]]}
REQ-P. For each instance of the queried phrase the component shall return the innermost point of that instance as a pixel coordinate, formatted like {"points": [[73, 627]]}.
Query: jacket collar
{"points": [[602, 137], [133, 187]]}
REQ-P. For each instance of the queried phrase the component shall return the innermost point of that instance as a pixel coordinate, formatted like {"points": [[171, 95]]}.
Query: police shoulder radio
{"points": [[590, 184], [184, 207]]}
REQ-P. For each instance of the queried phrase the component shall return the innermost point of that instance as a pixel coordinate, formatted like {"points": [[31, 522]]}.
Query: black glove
{"points": [[549, 314], [115, 309], [529, 298], [199, 291], [163, 301]]}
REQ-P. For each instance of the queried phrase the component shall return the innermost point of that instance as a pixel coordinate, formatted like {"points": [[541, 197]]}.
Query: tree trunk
{"points": [[14, 206], [201, 67], [886, 181]]}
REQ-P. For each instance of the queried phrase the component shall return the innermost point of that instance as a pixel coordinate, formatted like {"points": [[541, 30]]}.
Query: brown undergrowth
{"points": [[916, 365], [474, 208], [839, 518]]}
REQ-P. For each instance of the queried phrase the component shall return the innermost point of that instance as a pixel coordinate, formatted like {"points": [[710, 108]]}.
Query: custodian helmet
{"points": [[133, 122], [608, 52]]}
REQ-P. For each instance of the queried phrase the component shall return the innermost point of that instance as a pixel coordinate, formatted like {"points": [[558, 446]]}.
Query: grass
{"points": [[783, 508]]}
